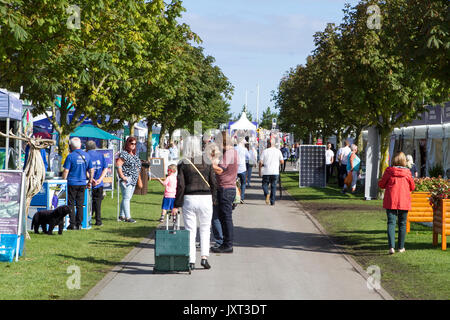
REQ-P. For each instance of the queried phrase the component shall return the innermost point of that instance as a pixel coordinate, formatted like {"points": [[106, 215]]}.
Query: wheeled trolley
{"points": [[171, 249]]}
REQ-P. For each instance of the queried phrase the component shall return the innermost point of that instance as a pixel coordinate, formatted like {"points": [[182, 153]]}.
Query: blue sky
{"points": [[258, 41]]}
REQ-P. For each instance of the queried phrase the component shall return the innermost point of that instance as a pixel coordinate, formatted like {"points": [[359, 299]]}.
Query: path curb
{"points": [[382, 292]]}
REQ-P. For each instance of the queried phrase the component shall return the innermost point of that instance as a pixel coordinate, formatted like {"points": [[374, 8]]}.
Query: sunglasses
{"points": [[133, 143]]}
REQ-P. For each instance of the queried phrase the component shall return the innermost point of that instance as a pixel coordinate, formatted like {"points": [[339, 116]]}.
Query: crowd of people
{"points": [[205, 191]]}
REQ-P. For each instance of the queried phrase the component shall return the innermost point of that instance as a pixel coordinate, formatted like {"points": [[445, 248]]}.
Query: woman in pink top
{"points": [[170, 185]]}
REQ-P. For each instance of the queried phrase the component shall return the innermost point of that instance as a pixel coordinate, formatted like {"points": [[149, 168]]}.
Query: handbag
{"points": [[237, 198], [199, 173], [348, 179]]}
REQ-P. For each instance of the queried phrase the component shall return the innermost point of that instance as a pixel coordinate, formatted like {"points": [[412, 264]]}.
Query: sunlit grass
{"points": [[422, 272], [42, 272]]}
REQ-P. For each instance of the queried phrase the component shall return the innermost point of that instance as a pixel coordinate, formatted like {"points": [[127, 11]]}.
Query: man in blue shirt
{"points": [[100, 169], [77, 169]]}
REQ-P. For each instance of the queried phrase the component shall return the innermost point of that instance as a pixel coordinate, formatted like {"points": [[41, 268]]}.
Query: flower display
{"points": [[439, 189]]}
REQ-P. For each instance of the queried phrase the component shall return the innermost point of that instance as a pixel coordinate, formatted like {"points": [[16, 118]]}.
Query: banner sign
{"points": [[10, 201], [108, 181]]}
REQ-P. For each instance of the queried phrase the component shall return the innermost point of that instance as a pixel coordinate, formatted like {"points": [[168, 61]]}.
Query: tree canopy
{"points": [[360, 76], [113, 61]]}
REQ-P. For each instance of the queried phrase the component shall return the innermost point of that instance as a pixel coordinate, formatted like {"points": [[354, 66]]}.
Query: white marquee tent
{"points": [[243, 124]]}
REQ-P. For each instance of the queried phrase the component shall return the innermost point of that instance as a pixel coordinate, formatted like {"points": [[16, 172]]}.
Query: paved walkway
{"points": [[279, 254]]}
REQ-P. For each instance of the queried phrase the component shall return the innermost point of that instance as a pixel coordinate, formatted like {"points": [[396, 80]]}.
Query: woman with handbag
{"points": [[196, 192], [399, 183], [128, 168], [353, 166]]}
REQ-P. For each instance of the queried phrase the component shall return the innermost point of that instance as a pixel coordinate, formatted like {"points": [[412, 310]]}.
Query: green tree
{"points": [[266, 120], [247, 113], [85, 66]]}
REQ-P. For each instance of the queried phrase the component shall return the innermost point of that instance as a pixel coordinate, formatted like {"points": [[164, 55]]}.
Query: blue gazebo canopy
{"points": [[90, 131], [10, 106]]}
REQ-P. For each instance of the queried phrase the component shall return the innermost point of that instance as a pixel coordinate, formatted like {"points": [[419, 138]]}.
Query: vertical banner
{"points": [[108, 181], [12, 202]]}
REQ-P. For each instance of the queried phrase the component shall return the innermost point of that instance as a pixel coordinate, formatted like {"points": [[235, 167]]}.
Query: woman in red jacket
{"points": [[398, 182]]}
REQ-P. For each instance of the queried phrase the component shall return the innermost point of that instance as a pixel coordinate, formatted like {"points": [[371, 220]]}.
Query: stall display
{"points": [[108, 181], [312, 168], [157, 168], [87, 212], [53, 194], [12, 194]]}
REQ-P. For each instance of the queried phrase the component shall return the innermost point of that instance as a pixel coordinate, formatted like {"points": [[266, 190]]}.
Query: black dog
{"points": [[52, 218]]}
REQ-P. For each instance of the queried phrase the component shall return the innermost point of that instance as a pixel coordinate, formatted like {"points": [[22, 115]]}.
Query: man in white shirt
{"points": [[270, 161], [342, 156], [242, 169], [329, 159]]}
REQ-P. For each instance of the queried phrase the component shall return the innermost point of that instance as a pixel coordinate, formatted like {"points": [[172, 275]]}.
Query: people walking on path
{"points": [[329, 159], [226, 174], [412, 166], [271, 159], [173, 151], [100, 169], [293, 158], [170, 190], [285, 152], [196, 192], [243, 154], [128, 168], [353, 166], [398, 182], [250, 162], [342, 155], [77, 169]]}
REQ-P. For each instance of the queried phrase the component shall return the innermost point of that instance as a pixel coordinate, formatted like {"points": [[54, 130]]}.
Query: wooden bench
{"points": [[441, 224], [421, 209]]}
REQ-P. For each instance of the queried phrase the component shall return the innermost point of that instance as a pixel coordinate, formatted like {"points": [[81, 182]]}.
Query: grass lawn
{"points": [[360, 228], [42, 272]]}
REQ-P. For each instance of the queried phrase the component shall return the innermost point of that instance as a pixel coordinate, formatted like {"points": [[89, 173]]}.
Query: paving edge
{"points": [[93, 292], [382, 292]]}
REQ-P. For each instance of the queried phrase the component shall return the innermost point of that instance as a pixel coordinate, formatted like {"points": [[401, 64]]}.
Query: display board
{"points": [[312, 168], [12, 224], [108, 181], [53, 194], [157, 168]]}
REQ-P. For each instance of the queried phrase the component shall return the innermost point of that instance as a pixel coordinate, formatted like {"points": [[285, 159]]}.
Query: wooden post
{"points": [[444, 225]]}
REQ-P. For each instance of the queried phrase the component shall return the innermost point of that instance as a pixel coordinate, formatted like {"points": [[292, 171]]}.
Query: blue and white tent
{"points": [[10, 106]]}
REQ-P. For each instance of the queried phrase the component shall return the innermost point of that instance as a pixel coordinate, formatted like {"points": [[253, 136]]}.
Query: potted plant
{"points": [[439, 200], [421, 209]]}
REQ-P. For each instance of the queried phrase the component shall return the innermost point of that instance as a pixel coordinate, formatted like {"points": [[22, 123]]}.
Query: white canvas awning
{"points": [[243, 124], [421, 132], [436, 131], [408, 133]]}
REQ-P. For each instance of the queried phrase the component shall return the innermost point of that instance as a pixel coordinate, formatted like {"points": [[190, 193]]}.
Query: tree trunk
{"points": [[384, 150], [161, 136], [338, 139], [63, 147], [131, 126]]}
